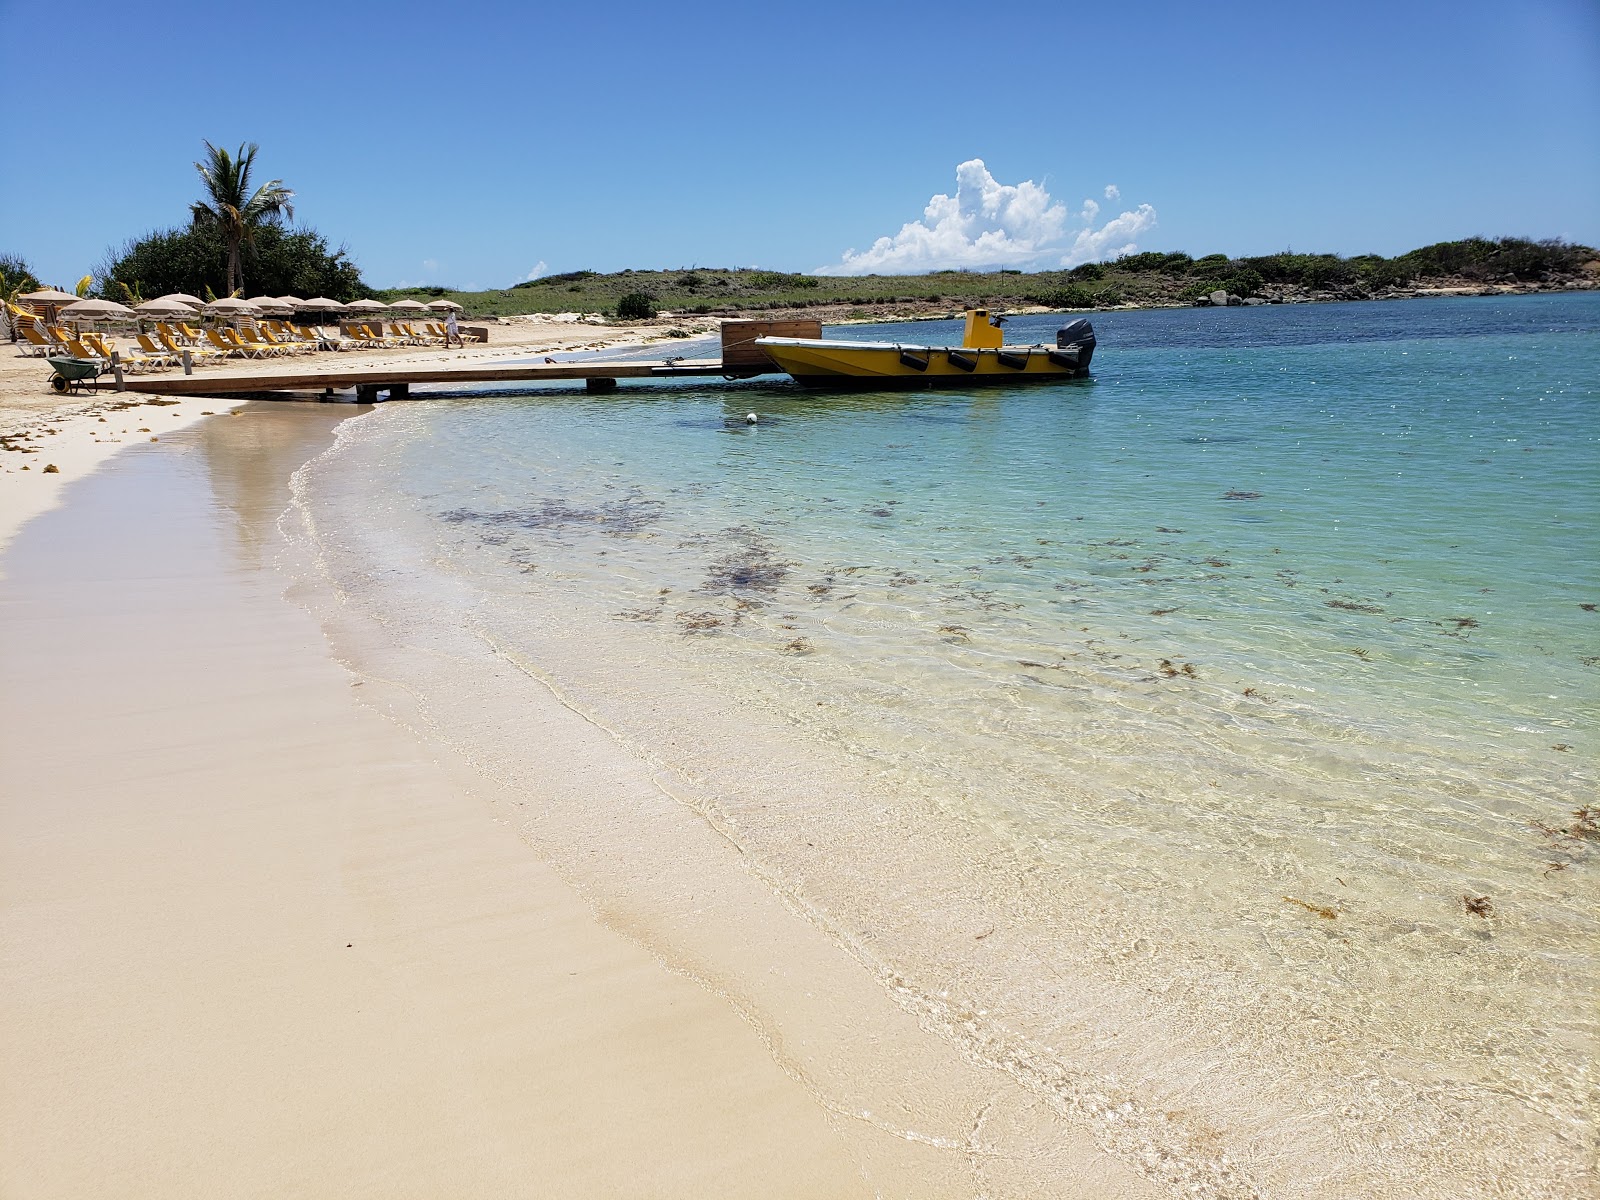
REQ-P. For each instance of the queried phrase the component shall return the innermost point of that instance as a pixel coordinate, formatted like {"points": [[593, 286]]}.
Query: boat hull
{"points": [[843, 364]]}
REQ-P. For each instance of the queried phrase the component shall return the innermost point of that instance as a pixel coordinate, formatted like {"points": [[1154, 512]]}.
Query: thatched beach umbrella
{"points": [[183, 298], [409, 306], [270, 306], [231, 309], [229, 306], [164, 310], [366, 306], [89, 312], [47, 302], [96, 310], [322, 305], [442, 305], [164, 306]]}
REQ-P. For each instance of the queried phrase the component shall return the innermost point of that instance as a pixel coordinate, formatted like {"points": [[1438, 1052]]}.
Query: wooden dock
{"points": [[394, 382], [741, 359]]}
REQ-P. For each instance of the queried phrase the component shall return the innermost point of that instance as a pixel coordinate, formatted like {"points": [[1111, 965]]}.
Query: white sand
{"points": [[264, 938], [77, 432]]}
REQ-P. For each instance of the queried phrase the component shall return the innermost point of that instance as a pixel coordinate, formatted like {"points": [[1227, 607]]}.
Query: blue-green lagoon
{"points": [[1207, 744]]}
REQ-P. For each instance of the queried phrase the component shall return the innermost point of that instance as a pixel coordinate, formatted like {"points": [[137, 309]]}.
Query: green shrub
{"points": [[278, 261], [1071, 296], [636, 306]]}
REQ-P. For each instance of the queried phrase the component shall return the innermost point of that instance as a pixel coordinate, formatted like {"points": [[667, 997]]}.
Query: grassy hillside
{"points": [[1142, 279]]}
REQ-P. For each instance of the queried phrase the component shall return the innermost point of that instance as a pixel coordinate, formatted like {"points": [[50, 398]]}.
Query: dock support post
{"points": [[116, 369], [400, 391], [366, 393], [600, 383], [188, 362]]}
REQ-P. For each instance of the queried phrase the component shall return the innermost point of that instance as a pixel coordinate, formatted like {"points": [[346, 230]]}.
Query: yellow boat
{"points": [[981, 358]]}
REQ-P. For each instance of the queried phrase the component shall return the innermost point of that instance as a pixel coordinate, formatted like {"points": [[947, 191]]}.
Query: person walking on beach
{"points": [[452, 331]]}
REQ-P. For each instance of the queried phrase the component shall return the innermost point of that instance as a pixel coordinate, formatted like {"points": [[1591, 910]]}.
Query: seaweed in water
{"points": [[1353, 606], [750, 566], [699, 622], [1236, 495], [631, 514], [1322, 910], [1478, 906]]}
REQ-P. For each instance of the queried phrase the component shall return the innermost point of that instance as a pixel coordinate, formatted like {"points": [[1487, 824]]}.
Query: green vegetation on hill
{"points": [[1150, 278]]}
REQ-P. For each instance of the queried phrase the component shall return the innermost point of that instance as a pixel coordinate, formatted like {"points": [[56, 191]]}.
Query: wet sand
{"points": [[260, 941], [264, 936]]}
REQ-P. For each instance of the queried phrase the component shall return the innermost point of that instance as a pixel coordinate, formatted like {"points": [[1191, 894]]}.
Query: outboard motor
{"points": [[1075, 340]]}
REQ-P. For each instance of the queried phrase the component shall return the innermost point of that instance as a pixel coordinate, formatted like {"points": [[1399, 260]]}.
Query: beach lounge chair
{"points": [[294, 346], [179, 336], [232, 346], [316, 337], [197, 354], [283, 333], [129, 360], [362, 336], [37, 344], [78, 349], [251, 338], [157, 354]]}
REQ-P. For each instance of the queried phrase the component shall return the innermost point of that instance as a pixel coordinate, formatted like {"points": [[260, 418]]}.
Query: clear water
{"points": [[1250, 688]]}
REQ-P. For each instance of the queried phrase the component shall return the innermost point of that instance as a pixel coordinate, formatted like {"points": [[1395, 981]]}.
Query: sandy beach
{"points": [[265, 935], [40, 429]]}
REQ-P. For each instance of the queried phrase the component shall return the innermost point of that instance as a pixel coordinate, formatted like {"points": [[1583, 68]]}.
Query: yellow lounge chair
{"points": [[291, 347], [252, 338], [232, 346], [38, 345], [155, 353], [197, 354], [78, 349]]}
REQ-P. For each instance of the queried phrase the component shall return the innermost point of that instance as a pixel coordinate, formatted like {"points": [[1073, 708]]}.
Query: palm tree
{"points": [[230, 204]]}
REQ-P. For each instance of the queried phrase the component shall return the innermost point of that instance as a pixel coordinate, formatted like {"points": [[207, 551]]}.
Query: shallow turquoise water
{"points": [[1395, 501], [1287, 612]]}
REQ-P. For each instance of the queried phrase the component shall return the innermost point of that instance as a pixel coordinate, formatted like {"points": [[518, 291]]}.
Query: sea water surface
{"points": [[1210, 743]]}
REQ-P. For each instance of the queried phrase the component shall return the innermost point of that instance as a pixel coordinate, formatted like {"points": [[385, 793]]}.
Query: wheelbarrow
{"points": [[69, 374]]}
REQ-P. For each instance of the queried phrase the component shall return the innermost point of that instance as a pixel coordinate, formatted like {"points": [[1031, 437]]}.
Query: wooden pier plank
{"points": [[383, 378]]}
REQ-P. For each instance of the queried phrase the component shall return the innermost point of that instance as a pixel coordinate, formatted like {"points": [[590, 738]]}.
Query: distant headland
{"points": [[1148, 280]]}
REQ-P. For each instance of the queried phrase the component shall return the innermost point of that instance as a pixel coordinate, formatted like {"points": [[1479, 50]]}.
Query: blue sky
{"points": [[476, 145]]}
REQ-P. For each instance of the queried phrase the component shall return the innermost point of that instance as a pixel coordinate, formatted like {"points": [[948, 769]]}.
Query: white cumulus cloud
{"points": [[539, 268], [1113, 192], [1113, 239], [989, 224]]}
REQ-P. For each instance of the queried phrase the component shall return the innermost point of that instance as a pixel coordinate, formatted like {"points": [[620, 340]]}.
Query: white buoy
{"points": [[750, 418]]}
